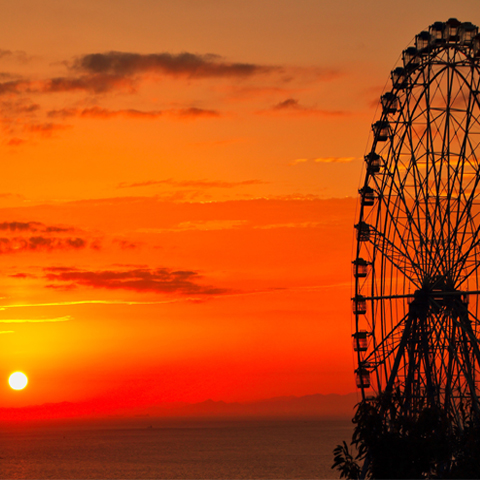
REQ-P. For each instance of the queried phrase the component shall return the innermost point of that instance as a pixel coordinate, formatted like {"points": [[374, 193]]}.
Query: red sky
{"points": [[178, 192]]}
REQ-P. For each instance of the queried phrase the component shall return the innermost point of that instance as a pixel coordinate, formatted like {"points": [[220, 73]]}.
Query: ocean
{"points": [[148, 448]]}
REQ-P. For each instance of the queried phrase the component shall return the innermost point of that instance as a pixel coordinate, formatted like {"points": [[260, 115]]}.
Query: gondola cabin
{"points": [[467, 32], [450, 32], [363, 231], [422, 42], [360, 341], [436, 33], [410, 58], [362, 377], [368, 196], [360, 268], [476, 45], [381, 129], [399, 78], [359, 304], [389, 102], [374, 161]]}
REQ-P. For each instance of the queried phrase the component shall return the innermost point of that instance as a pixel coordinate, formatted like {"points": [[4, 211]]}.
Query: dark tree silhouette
{"points": [[389, 444]]}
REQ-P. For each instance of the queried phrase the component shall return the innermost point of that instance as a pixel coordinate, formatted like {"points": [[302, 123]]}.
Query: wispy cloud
{"points": [[36, 236], [299, 161], [46, 129], [293, 106], [33, 227], [159, 280], [192, 113], [199, 225], [40, 244], [189, 65], [99, 112], [92, 302], [105, 113], [121, 71], [65, 318], [334, 159], [85, 83], [17, 55], [191, 183]]}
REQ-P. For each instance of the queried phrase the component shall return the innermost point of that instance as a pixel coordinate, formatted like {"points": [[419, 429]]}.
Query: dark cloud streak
{"points": [[185, 64], [104, 113], [40, 244], [32, 227], [293, 106], [159, 280]]}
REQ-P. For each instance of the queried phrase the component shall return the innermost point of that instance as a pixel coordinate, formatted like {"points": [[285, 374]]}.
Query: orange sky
{"points": [[178, 189]]}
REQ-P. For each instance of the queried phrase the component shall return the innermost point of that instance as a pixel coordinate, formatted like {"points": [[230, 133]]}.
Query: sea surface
{"points": [[147, 448]]}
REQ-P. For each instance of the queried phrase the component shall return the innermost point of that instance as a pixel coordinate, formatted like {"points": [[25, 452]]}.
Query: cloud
{"points": [[21, 226], [159, 280], [99, 112], [334, 159], [44, 129], [125, 244], [37, 236], [293, 106], [40, 244], [89, 83], [120, 71], [7, 331], [19, 106], [188, 65], [289, 103], [32, 227], [88, 302], [193, 112], [16, 142], [199, 225], [86, 83], [22, 275], [66, 318], [191, 183], [298, 161], [17, 55]]}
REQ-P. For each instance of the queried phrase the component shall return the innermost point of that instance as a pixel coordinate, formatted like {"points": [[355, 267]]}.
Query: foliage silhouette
{"points": [[389, 444]]}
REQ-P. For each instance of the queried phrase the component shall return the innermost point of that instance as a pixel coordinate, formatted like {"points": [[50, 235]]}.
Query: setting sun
{"points": [[18, 380]]}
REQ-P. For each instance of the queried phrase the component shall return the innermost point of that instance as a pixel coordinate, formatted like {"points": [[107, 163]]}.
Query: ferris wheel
{"points": [[417, 260]]}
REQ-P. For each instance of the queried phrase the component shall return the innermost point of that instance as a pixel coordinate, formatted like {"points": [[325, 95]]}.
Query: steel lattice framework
{"points": [[417, 259]]}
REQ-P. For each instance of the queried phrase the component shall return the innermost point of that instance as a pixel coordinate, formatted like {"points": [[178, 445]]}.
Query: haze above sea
{"points": [[188, 448]]}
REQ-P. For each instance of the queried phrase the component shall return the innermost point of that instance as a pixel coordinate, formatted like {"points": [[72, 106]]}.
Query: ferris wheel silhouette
{"points": [[417, 252]]}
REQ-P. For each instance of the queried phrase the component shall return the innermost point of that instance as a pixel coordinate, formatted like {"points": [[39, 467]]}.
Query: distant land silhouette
{"points": [[318, 405]]}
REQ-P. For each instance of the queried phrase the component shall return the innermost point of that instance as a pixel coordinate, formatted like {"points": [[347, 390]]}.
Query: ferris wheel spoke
{"points": [[397, 220], [397, 257], [388, 339]]}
